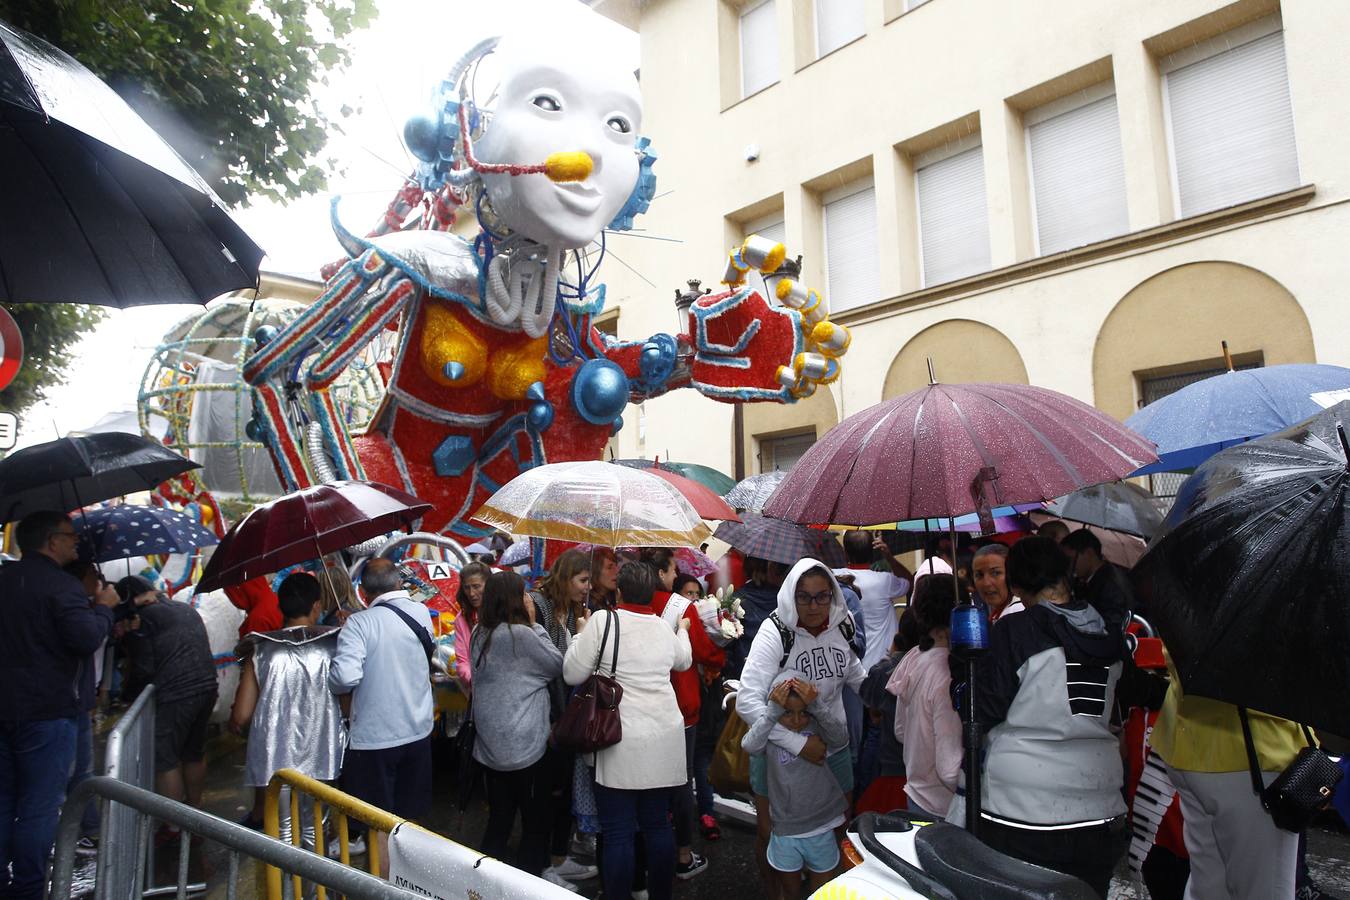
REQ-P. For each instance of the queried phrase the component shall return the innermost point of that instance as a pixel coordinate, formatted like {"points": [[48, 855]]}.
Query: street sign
{"points": [[9, 430], [11, 349]]}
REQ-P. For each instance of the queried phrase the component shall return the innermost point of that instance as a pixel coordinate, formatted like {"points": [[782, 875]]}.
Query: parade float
{"points": [[496, 365], [445, 360]]}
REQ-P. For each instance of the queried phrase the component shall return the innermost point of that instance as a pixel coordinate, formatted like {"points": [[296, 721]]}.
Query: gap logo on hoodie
{"points": [[821, 663]]}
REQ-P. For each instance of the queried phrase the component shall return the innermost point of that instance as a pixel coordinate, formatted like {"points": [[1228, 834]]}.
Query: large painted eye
{"points": [[620, 124], [547, 102]]}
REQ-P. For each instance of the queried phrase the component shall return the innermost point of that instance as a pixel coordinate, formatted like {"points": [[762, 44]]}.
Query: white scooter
{"points": [[896, 856]]}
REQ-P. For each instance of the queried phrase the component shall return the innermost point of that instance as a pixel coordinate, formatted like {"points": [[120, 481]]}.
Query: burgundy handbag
{"points": [[591, 720]]}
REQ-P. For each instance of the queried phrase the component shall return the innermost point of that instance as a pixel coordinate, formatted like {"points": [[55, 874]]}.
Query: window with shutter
{"points": [[838, 22], [1077, 172], [953, 215], [1230, 121], [772, 227], [759, 47], [852, 272], [781, 453]]}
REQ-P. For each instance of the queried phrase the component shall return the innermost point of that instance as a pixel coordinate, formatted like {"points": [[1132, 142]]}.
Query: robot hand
{"points": [[746, 349]]}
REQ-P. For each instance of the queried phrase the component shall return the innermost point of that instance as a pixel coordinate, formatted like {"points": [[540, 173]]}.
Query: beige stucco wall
{"points": [[1250, 310], [960, 351], [920, 79]]}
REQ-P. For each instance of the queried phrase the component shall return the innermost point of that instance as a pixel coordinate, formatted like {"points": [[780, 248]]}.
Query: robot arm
{"points": [[738, 348]]}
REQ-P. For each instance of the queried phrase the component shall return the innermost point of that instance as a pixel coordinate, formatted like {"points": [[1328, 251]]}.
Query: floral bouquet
{"points": [[721, 615]]}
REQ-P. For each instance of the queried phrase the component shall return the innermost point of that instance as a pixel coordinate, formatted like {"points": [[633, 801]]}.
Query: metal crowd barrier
{"points": [[242, 843], [125, 832], [343, 807]]}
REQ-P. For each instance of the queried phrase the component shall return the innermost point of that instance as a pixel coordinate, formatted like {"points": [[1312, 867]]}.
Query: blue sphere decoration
{"points": [[422, 137], [599, 391], [254, 430], [264, 334], [453, 370], [540, 416]]}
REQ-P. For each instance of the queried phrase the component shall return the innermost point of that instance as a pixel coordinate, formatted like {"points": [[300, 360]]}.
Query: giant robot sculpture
{"points": [[497, 367]]}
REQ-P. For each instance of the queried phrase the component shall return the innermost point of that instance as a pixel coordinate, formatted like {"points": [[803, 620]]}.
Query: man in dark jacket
{"points": [[168, 647], [50, 632], [1104, 585]]}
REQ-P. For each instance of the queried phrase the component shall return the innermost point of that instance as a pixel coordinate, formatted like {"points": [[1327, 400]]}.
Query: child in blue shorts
{"points": [[805, 799]]}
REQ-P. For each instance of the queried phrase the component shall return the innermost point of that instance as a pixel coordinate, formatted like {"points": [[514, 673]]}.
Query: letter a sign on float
{"points": [[11, 348]]}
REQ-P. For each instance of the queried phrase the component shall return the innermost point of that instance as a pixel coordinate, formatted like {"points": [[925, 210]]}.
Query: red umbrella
{"points": [[706, 503], [950, 449], [306, 525]]}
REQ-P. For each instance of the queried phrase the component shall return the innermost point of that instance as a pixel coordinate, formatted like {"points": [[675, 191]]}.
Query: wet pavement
{"points": [[731, 870]]}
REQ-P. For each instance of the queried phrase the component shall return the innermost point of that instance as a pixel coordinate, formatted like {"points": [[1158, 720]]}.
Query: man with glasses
{"points": [[49, 635]]}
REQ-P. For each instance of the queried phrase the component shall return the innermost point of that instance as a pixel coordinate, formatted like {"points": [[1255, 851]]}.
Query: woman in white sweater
{"points": [[634, 778]]}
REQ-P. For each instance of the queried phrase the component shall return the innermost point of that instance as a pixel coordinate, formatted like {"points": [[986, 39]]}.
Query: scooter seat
{"points": [[972, 869]]}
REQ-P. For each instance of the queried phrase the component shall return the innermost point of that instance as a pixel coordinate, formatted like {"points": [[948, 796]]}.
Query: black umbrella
{"points": [[73, 471], [1249, 581], [97, 208]]}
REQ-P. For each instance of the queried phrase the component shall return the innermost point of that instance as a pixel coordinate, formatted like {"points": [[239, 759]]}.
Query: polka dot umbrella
{"points": [[118, 532]]}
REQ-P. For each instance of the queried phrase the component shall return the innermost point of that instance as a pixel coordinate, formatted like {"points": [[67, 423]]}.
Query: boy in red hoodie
{"points": [[688, 691]]}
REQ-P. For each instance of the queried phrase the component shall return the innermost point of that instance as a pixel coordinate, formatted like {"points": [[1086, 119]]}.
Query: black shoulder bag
{"points": [[469, 771], [1302, 790]]}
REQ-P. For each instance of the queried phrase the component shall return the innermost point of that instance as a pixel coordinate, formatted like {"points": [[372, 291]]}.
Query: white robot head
{"points": [[553, 100]]}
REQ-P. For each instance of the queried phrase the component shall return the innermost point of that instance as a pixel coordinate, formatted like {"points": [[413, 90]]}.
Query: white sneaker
{"points": [[574, 871], [640, 895], [552, 877], [355, 847]]}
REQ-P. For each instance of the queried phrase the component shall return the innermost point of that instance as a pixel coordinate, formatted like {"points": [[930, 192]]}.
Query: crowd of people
{"points": [[846, 680]]}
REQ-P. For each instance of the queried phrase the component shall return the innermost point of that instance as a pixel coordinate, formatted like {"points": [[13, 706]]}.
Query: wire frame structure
{"points": [[193, 396]]}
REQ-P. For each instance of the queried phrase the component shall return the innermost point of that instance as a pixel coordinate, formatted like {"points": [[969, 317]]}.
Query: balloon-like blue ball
{"points": [[422, 138], [599, 391], [264, 334], [540, 416], [254, 430]]}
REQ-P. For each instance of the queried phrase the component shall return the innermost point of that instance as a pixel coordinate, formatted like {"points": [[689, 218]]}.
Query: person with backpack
{"points": [[811, 632]]}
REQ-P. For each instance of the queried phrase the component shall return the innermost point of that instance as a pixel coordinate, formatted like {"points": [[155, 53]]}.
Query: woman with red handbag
{"points": [[634, 776]]}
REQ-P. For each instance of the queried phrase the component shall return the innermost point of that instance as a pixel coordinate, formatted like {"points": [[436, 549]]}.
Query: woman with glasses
{"points": [[812, 633]]}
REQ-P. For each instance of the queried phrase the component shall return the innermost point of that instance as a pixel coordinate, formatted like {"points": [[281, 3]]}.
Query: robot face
{"points": [[550, 102]]}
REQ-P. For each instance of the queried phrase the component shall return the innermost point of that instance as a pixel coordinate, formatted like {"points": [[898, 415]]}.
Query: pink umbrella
{"points": [[950, 449]]}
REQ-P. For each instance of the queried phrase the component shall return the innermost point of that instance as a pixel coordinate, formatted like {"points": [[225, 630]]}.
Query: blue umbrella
{"points": [[117, 532], [1194, 423]]}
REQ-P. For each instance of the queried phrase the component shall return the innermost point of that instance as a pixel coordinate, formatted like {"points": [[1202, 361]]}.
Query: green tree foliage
{"points": [[227, 82], [50, 331]]}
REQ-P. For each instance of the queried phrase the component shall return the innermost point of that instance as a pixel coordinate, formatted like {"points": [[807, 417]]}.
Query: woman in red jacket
{"points": [[688, 692]]}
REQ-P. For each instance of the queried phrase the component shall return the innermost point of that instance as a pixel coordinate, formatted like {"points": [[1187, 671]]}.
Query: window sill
{"points": [[1120, 246], [809, 63], [900, 11], [741, 100]]}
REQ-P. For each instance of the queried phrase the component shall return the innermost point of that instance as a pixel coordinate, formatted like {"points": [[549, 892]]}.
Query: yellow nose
{"points": [[569, 166]]}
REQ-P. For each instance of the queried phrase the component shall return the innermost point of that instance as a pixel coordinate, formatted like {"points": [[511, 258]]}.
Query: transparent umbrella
{"points": [[595, 503]]}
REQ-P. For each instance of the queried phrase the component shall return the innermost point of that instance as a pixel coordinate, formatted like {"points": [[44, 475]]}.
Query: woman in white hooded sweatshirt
{"points": [[811, 633]]}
